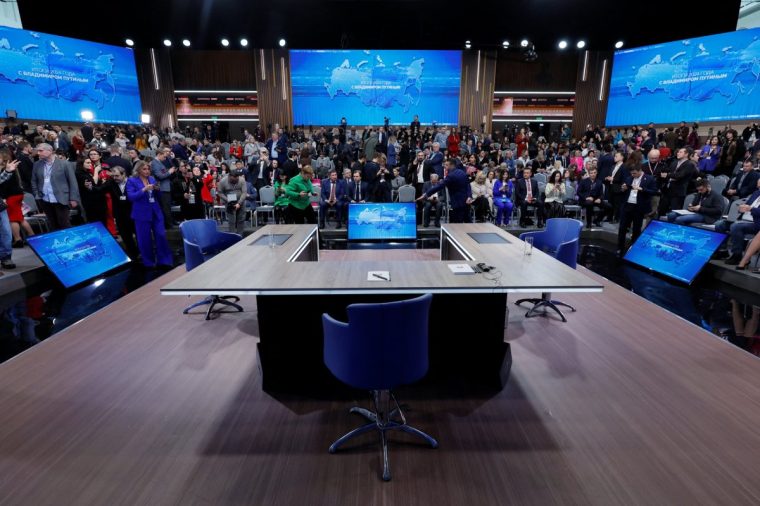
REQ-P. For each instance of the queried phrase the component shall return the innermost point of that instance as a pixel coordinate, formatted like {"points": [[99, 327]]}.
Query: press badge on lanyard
{"points": [[150, 197], [232, 197]]}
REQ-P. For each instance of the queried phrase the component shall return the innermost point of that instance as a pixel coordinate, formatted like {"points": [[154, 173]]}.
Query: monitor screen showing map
{"points": [[53, 78], [382, 221], [711, 78], [366, 87], [675, 251], [77, 254]]}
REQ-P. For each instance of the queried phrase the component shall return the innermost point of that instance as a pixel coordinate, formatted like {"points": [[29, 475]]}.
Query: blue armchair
{"points": [[203, 241], [560, 240], [382, 347]]}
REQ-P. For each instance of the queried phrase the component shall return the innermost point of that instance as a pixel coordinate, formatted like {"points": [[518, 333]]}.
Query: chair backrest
{"points": [[31, 203], [569, 193], [197, 235], [560, 239], [541, 178], [688, 200], [266, 195], [726, 204], [541, 186], [382, 346], [733, 209], [718, 184], [406, 193]]}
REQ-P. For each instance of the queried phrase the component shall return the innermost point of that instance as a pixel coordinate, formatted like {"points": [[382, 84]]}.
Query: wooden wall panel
{"points": [[551, 72], [156, 90], [590, 86], [214, 70], [476, 94], [273, 86]]}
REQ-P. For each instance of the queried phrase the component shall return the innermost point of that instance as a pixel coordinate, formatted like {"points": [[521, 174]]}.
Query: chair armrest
{"points": [[336, 334], [567, 253], [227, 239], [193, 255]]}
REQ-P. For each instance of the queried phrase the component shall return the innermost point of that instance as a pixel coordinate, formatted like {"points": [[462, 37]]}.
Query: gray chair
{"points": [[731, 213], [266, 197], [571, 205], [688, 200], [718, 184], [540, 178], [406, 193], [33, 215]]}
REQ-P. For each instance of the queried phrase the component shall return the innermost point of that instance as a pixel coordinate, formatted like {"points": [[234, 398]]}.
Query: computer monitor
{"points": [[676, 251], [77, 254], [389, 221]]}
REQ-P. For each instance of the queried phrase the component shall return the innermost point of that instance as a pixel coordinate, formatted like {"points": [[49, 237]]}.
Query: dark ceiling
{"points": [[380, 23]]}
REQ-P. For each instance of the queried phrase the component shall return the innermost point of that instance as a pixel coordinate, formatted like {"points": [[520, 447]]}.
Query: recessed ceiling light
{"points": [[185, 42], [167, 43], [581, 44], [619, 44], [244, 42], [524, 43], [225, 42], [130, 42], [562, 44]]}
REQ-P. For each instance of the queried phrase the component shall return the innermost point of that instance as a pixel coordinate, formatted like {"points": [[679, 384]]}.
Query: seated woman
{"points": [[555, 196], [482, 200], [502, 198]]}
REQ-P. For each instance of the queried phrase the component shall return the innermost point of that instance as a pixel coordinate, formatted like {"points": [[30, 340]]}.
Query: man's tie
{"points": [[530, 189], [356, 194], [332, 192]]}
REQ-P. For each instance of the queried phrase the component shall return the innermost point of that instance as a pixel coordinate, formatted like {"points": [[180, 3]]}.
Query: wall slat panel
{"points": [[476, 94], [589, 109], [159, 103]]}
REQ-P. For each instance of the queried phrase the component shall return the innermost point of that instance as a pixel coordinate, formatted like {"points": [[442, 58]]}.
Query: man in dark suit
{"points": [[682, 172], [331, 196], [116, 160], [527, 194], [590, 195], [278, 149], [434, 203], [260, 171], [54, 184], [382, 141], [25, 165], [748, 223], [436, 159], [744, 183], [615, 181], [122, 210], [638, 190], [290, 167], [460, 195], [418, 172], [707, 207], [414, 127], [357, 189]]}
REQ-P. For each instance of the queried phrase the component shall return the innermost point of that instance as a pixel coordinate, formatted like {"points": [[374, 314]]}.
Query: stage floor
{"points": [[138, 404]]}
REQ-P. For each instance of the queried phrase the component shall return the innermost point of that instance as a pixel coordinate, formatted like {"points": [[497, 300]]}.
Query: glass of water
{"points": [[528, 245]]}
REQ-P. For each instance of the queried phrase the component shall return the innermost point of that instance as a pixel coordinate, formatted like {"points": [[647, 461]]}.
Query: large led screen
{"points": [[676, 251], [47, 77], [710, 78], [366, 87], [389, 221]]}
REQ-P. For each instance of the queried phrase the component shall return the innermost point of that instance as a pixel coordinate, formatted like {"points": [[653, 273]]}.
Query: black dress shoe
{"points": [[741, 267], [8, 264], [733, 260], [18, 244]]}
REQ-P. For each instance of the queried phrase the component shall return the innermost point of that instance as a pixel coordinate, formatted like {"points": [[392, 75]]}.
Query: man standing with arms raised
{"points": [[54, 184]]}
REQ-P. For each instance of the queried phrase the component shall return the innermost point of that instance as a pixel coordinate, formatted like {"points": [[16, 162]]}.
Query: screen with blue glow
{"points": [[673, 250], [47, 77], [77, 254], [711, 78], [368, 86], [382, 221]]}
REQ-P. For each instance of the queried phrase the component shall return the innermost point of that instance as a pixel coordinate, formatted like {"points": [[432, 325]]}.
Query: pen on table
{"points": [[381, 277]]}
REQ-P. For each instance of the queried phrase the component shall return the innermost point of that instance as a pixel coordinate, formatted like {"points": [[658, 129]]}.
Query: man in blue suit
{"points": [[357, 189], [748, 223], [744, 183], [436, 160], [638, 190], [332, 197], [460, 195], [278, 149]]}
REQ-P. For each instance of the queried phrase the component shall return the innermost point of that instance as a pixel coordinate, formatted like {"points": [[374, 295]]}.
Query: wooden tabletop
{"points": [[247, 269]]}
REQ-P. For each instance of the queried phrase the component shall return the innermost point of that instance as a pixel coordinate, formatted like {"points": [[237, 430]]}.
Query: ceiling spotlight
{"points": [[505, 43], [562, 44], [581, 44], [467, 45], [167, 43], [524, 43], [130, 42], [282, 42], [244, 42], [618, 44], [225, 42], [185, 42]]}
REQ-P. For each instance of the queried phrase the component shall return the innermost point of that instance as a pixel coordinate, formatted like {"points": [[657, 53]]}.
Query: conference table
{"points": [[279, 264]]}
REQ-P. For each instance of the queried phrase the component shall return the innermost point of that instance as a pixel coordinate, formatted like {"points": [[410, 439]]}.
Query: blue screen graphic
{"points": [[703, 79], [676, 251], [47, 77], [367, 86], [77, 254], [388, 221]]}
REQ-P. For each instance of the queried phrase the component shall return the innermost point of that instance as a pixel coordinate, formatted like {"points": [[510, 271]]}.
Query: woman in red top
{"points": [[236, 150], [208, 190], [522, 142], [452, 143]]}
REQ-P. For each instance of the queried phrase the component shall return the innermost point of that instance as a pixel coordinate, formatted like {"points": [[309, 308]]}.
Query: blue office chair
{"points": [[381, 347], [560, 240], [202, 241]]}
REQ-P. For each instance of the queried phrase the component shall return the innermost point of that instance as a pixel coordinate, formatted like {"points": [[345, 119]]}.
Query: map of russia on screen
{"points": [[48, 77], [711, 78]]}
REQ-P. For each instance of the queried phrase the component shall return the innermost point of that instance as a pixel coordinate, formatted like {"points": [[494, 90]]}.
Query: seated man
{"points": [[357, 189], [590, 195], [434, 202], [331, 196], [748, 223], [706, 207], [744, 183], [527, 195]]}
